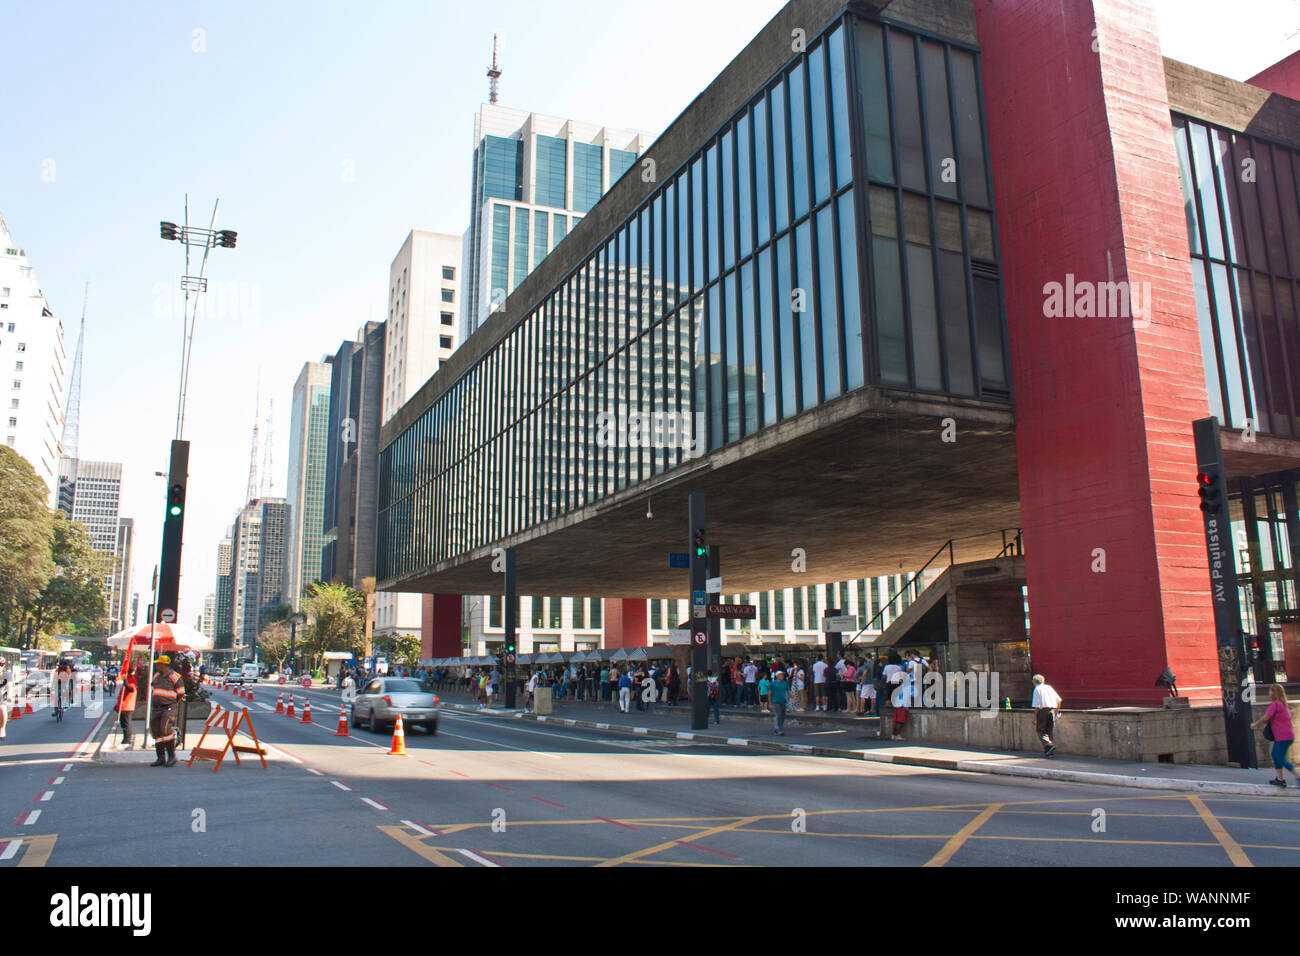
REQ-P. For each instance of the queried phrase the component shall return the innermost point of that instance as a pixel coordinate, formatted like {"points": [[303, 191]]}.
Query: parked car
{"points": [[234, 675], [381, 701]]}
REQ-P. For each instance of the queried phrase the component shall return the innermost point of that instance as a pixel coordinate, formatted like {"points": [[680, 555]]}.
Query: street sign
{"points": [[679, 559], [700, 638], [713, 585], [698, 602], [510, 658], [168, 616], [838, 625], [743, 612], [306, 682], [283, 679], [679, 635]]}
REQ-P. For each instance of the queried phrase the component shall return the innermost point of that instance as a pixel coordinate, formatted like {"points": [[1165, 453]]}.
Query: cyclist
{"points": [[63, 688]]}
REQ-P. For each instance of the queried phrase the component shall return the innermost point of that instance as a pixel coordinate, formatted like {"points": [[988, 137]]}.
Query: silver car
{"points": [[384, 698]]}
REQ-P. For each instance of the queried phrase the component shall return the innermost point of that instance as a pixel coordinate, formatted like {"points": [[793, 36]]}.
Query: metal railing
{"points": [[1013, 547]]}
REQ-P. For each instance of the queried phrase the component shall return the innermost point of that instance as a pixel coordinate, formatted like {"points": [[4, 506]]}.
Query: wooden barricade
{"points": [[230, 723]]}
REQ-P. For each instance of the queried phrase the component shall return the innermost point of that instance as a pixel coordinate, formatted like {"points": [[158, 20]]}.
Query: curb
{"points": [[910, 760]]}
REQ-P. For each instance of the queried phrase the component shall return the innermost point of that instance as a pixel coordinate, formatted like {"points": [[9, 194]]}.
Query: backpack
{"points": [[713, 690]]}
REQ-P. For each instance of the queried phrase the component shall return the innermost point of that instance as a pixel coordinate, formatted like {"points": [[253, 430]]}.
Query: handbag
{"points": [[1268, 731]]}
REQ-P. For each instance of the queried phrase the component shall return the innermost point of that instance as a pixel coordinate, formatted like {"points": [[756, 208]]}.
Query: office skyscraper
{"points": [[308, 430], [90, 492]]}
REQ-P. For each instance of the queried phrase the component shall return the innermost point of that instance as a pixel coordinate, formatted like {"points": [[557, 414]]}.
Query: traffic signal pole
{"points": [[1213, 488], [699, 649], [511, 622], [169, 579]]}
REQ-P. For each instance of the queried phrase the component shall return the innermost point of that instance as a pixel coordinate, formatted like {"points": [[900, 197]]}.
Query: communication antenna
{"points": [[494, 73], [268, 475], [252, 454], [72, 408]]}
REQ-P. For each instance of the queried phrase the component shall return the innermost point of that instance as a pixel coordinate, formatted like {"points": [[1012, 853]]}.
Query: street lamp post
{"points": [[294, 620]]}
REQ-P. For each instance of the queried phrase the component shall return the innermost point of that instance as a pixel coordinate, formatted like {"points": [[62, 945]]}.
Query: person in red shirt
{"points": [[126, 700], [1281, 731]]}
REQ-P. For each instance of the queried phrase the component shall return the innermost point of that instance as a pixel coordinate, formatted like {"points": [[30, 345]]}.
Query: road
{"points": [[495, 791]]}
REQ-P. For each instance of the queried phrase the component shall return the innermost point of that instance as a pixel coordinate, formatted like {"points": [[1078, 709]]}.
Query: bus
{"points": [[37, 660]]}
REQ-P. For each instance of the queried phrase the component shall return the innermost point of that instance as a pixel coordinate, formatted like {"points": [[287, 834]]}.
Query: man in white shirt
{"points": [[819, 683], [751, 684], [1047, 707]]}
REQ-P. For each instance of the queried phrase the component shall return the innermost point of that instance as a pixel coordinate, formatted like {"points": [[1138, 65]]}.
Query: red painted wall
{"points": [[626, 624], [440, 630], [1086, 182], [1282, 77]]}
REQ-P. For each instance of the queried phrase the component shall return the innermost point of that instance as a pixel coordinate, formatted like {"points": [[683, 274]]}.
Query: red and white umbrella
{"points": [[163, 635]]}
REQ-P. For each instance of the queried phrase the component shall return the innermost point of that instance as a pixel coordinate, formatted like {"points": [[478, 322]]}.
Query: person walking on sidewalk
{"points": [[714, 695], [6, 687], [819, 682], [779, 693], [1047, 707], [1281, 731], [624, 691]]}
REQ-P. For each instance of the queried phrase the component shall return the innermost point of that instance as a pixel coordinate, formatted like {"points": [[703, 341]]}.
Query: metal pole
{"points": [[715, 624], [512, 602], [699, 651], [148, 695]]}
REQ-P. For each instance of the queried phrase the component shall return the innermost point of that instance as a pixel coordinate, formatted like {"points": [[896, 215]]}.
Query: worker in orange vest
{"points": [[126, 698], [167, 689]]}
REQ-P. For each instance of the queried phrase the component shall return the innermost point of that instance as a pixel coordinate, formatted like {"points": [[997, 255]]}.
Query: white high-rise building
{"points": [[535, 177], [424, 295], [90, 492], [308, 443], [208, 623], [34, 362]]}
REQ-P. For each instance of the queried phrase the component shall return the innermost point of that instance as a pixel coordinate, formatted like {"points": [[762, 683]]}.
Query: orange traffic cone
{"points": [[250, 697], [27, 708], [306, 711], [399, 739], [279, 704], [288, 711], [343, 723], [18, 712]]}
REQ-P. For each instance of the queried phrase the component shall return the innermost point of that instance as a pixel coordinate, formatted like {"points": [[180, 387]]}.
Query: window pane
{"points": [[873, 92], [938, 120], [907, 110], [810, 373], [851, 296], [1205, 185], [1208, 352], [890, 330], [799, 138], [1228, 343], [749, 356], [784, 306], [971, 171], [827, 304], [683, 238], [731, 320], [727, 172], [699, 387], [550, 173], [697, 225], [717, 386], [840, 108], [762, 175], [745, 185], [821, 150], [521, 247], [956, 323], [780, 159], [714, 204], [767, 384], [541, 230]]}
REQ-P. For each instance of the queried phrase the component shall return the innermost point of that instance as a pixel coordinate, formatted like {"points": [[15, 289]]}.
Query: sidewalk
{"points": [[822, 734]]}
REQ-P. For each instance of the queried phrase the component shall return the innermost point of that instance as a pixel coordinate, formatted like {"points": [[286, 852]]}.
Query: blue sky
{"points": [[283, 99]]}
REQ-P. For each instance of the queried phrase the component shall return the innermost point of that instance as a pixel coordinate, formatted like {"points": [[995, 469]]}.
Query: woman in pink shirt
{"points": [[1278, 718]]}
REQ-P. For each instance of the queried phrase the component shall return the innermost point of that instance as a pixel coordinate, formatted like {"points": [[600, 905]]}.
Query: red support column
{"points": [[1087, 187], [625, 623], [440, 626]]}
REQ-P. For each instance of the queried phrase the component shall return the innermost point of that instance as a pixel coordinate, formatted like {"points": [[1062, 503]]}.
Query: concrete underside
{"points": [[865, 486]]}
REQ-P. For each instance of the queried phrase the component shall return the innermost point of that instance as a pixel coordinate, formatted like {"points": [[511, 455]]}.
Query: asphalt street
{"points": [[491, 790]]}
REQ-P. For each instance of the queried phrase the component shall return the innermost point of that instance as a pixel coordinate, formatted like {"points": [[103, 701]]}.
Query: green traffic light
{"points": [[174, 510]]}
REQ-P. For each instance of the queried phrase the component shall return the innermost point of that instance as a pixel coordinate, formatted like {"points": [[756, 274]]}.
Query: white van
{"points": [[251, 671]]}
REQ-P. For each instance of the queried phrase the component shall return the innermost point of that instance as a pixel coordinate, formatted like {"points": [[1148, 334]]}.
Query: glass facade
{"points": [[552, 168], [1243, 218], [587, 189], [732, 297]]}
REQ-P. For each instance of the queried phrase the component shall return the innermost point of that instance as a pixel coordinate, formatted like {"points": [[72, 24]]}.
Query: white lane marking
{"points": [[57, 780], [272, 748], [10, 850], [476, 858], [316, 772], [264, 706], [493, 743], [685, 736], [375, 803], [341, 786], [87, 744], [738, 741], [30, 817], [410, 823], [47, 795], [66, 767]]}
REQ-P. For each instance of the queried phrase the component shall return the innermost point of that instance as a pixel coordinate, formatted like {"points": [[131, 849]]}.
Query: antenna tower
{"points": [[72, 408], [252, 454], [494, 74]]}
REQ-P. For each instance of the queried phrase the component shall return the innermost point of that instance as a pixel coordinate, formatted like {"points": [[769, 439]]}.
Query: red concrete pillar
{"points": [[1087, 190], [440, 626], [626, 624]]}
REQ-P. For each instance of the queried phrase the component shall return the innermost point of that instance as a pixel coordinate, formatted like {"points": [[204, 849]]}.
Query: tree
{"points": [[337, 615], [402, 650], [73, 597], [26, 537]]}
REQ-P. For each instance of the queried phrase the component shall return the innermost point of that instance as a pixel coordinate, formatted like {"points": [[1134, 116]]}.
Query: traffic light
{"points": [[175, 501], [1207, 485], [226, 238], [510, 647], [168, 230], [701, 549]]}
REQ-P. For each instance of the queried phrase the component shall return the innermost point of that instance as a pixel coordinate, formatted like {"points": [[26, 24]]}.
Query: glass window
{"points": [[762, 177], [717, 388], [620, 161], [874, 93], [749, 356], [586, 176], [502, 167], [907, 110], [550, 174], [727, 173], [850, 297], [938, 120], [697, 224], [840, 108], [521, 268], [784, 306], [821, 147], [745, 185], [733, 323], [714, 204], [500, 254], [827, 304], [810, 373], [559, 229], [683, 274], [799, 138], [767, 324], [971, 171], [780, 159], [541, 236]]}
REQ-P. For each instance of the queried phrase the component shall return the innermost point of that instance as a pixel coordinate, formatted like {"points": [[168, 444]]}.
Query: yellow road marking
{"points": [[37, 849], [651, 850], [1230, 846], [415, 845], [961, 836]]}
